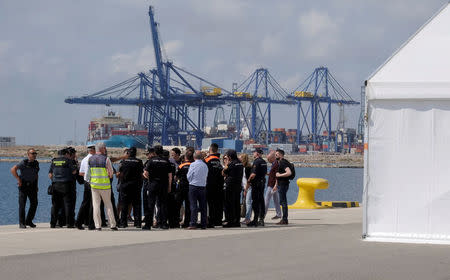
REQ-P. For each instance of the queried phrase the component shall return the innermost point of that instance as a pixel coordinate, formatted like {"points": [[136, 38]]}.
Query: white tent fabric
{"points": [[407, 161]]}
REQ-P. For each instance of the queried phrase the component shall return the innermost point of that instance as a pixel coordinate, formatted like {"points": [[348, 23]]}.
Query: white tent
{"points": [[407, 158]]}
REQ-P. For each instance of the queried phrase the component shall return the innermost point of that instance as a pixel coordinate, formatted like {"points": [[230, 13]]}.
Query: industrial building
{"points": [[7, 141]]}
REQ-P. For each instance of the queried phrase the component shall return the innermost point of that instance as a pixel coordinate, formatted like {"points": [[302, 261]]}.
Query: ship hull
{"points": [[122, 141]]}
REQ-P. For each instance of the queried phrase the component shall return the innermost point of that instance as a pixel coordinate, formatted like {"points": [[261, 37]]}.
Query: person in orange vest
{"points": [[183, 185], [214, 187]]}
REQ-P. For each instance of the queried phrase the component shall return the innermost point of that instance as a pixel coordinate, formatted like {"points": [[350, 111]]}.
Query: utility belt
{"points": [[258, 182], [29, 184]]}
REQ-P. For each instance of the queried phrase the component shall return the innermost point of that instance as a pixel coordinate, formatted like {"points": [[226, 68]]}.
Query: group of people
{"points": [[202, 182]]}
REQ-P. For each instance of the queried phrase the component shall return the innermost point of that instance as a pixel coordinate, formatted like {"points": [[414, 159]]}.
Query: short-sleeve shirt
{"points": [[131, 171], [283, 164], [234, 173], [259, 168], [28, 170], [84, 166], [158, 170]]}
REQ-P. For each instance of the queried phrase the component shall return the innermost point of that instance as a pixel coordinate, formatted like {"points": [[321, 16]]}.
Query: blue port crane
{"points": [[314, 98], [173, 110], [259, 91]]}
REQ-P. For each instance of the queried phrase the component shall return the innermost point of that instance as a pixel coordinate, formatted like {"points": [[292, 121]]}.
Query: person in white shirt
{"points": [[83, 212]]}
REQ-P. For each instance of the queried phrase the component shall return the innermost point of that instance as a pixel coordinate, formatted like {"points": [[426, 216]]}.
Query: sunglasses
{"points": [[33, 153]]}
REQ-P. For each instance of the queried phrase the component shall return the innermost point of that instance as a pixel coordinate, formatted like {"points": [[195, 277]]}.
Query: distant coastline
{"points": [[320, 160]]}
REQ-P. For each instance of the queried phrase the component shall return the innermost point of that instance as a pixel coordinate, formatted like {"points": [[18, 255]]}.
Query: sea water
{"points": [[345, 184]]}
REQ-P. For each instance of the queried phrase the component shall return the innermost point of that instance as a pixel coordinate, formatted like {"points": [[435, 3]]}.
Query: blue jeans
{"points": [[248, 204], [283, 188], [197, 195]]}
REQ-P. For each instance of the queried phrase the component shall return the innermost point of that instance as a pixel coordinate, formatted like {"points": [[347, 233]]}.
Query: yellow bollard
{"points": [[306, 189]]}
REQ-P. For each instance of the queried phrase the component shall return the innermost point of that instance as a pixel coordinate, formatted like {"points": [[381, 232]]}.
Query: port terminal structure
{"points": [[173, 109]]}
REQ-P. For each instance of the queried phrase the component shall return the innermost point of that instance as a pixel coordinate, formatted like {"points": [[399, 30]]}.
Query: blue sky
{"points": [[53, 49]]}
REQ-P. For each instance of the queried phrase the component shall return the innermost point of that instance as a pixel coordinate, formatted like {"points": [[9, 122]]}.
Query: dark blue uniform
{"points": [[258, 183], [29, 175], [233, 188], [130, 188], [62, 181], [158, 184]]}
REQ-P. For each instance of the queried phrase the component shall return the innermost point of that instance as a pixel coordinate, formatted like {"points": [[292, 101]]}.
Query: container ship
{"points": [[116, 131]]}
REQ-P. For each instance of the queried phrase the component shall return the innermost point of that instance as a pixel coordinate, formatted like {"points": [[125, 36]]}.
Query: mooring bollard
{"points": [[306, 192]]}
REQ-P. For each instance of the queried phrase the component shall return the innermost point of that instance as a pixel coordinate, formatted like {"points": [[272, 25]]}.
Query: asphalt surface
{"points": [[310, 248]]}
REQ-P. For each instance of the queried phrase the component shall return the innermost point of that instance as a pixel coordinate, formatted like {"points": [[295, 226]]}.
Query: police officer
{"points": [[214, 187], [27, 181], [148, 222], [130, 187], [159, 175], [257, 180], [61, 173], [183, 185], [173, 197], [233, 172]]}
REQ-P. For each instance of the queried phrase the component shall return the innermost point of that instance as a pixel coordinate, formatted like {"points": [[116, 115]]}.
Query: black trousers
{"points": [[173, 208], [130, 195], [283, 188], [145, 202], [61, 199], [157, 191], [233, 204], [214, 197], [184, 198], [258, 204], [83, 212], [27, 190]]}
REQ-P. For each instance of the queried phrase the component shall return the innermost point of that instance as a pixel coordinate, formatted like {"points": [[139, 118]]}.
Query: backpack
{"points": [[292, 168]]}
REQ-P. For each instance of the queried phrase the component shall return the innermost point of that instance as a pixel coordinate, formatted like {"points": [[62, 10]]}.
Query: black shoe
{"points": [[146, 227], [91, 228], [22, 226], [282, 222], [227, 225], [237, 224], [210, 226], [261, 223], [98, 229], [114, 229], [80, 227], [123, 226], [184, 225], [203, 227], [174, 226], [30, 224], [164, 227], [104, 225], [71, 226], [252, 224]]}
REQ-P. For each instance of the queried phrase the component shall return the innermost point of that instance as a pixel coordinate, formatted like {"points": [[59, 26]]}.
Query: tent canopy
{"points": [[407, 163], [420, 69]]}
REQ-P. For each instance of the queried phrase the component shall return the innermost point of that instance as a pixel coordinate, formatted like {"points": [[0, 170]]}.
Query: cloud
{"points": [[141, 60], [220, 9], [4, 47], [271, 45], [292, 82], [319, 33]]}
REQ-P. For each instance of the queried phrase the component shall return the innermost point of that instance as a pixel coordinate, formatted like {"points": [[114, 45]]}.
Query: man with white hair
{"points": [[100, 175]]}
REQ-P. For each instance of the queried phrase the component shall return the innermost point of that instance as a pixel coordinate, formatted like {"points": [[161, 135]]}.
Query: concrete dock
{"points": [[317, 244]]}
